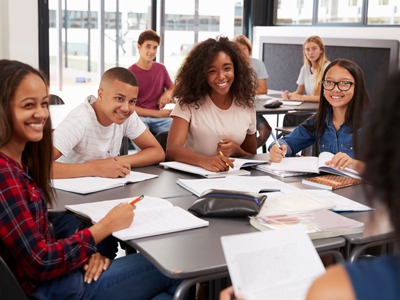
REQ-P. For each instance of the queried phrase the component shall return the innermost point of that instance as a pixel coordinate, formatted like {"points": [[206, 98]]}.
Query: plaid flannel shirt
{"points": [[25, 242]]}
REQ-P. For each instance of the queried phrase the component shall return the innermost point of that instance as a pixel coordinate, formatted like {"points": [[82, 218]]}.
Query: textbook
{"points": [[312, 165], [153, 216], [238, 164], [267, 169], [318, 224], [273, 264], [331, 182], [86, 185], [254, 184]]}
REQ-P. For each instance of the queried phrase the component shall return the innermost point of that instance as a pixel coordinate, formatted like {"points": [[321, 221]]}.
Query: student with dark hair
{"points": [[44, 267], [244, 44], [85, 136], [215, 87], [155, 86], [337, 125], [377, 279]]}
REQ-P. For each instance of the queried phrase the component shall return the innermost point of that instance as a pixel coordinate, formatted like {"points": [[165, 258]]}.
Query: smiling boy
{"points": [[153, 78], [97, 126]]}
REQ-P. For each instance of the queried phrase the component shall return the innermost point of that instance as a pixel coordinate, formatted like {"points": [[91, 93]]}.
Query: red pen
{"points": [[137, 200]]}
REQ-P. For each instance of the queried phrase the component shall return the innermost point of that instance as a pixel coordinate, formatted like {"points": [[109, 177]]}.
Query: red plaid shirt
{"points": [[25, 242]]}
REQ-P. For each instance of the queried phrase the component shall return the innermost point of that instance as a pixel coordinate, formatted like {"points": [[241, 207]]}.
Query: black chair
{"points": [[162, 137], [56, 100], [9, 287]]}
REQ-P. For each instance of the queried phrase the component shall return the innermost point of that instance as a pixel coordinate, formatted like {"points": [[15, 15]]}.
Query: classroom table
{"points": [[164, 186]]}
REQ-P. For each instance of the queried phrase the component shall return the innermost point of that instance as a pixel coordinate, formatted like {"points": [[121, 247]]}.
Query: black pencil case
{"points": [[222, 203]]}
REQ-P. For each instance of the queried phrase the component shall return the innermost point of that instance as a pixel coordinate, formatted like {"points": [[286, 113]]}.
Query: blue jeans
{"points": [[66, 225], [156, 125], [129, 277]]}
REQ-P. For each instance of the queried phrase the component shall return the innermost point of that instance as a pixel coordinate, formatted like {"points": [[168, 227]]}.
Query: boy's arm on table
{"points": [[166, 97], [176, 151], [151, 153]]}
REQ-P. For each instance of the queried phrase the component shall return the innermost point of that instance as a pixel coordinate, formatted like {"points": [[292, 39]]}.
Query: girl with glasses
{"points": [[309, 82], [336, 127]]}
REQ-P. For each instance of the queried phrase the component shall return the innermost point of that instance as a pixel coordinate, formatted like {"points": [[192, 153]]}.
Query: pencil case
{"points": [[223, 203]]}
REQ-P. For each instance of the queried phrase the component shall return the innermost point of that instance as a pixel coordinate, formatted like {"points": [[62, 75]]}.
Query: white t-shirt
{"points": [[80, 137], [209, 124], [306, 79], [259, 67]]}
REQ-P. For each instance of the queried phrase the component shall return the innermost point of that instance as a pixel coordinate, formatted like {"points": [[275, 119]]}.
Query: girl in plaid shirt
{"points": [[44, 267]]}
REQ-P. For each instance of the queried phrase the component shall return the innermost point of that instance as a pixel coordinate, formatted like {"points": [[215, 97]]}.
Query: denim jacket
{"points": [[330, 141]]}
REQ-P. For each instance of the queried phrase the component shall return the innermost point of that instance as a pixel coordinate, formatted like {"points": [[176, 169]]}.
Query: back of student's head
{"points": [[149, 35], [321, 61], [120, 74], [381, 148], [36, 155], [191, 84], [243, 40]]}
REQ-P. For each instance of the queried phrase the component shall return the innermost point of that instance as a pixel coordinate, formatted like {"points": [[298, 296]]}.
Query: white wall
{"points": [[324, 32], [19, 37]]}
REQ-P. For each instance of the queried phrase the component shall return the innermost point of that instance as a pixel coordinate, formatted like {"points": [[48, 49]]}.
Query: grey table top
{"points": [[198, 252], [164, 186], [305, 106]]}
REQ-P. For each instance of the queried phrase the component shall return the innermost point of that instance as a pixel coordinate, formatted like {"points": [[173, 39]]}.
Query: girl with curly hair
{"points": [[215, 114]]}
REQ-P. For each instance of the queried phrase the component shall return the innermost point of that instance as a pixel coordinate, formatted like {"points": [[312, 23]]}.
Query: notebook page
{"points": [[198, 186], [293, 203], [327, 156], [134, 177], [98, 210], [291, 103], [256, 184], [279, 264], [341, 203], [240, 162], [155, 222], [197, 170], [297, 164], [85, 185]]}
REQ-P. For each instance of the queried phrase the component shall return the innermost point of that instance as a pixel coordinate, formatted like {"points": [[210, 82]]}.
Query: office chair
{"points": [[9, 286], [56, 100], [162, 137]]}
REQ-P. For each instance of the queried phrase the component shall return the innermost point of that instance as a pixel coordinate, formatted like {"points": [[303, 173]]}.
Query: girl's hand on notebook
{"points": [[285, 95], [340, 161], [96, 264], [296, 97], [227, 147], [164, 113], [217, 163], [276, 154], [109, 168], [228, 293]]}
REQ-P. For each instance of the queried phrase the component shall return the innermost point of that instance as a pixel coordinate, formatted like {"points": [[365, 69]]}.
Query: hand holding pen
{"points": [[277, 151]]}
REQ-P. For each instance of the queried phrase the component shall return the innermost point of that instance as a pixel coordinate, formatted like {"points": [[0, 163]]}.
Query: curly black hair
{"points": [[191, 81], [381, 148]]}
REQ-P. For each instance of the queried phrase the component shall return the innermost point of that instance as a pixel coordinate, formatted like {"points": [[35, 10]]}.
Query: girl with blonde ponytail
{"points": [[309, 82]]}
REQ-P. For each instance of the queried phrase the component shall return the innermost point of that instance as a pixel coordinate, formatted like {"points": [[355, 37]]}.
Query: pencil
{"points": [[137, 200], [223, 155]]}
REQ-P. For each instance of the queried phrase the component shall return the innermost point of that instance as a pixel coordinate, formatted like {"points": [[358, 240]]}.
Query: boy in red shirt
{"points": [[155, 85]]}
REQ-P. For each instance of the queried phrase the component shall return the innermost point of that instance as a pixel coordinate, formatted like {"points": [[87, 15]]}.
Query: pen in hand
{"points": [[220, 153], [112, 155], [136, 200], [276, 141]]}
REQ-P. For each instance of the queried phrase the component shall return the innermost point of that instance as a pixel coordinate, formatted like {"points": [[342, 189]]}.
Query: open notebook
{"points": [[255, 184], [272, 265], [153, 216], [86, 185], [312, 165], [238, 164]]}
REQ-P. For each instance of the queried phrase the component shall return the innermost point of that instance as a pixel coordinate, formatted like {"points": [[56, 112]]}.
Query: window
{"points": [[383, 12], [383, 2], [137, 21], [353, 2], [339, 11], [76, 19], [295, 12], [185, 22]]}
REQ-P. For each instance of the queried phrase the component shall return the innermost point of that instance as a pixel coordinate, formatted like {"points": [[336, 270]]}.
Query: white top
{"points": [[259, 67], [209, 124], [306, 79], [80, 137]]}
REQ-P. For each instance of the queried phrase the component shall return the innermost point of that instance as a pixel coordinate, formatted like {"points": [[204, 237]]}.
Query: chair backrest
{"points": [[296, 118], [56, 100], [162, 137], [9, 287]]}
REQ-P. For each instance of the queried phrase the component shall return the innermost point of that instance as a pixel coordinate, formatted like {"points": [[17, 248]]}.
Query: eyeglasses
{"points": [[342, 85]]}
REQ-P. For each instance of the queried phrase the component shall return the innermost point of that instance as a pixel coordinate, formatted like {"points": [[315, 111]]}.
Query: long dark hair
{"points": [[36, 155], [191, 81], [359, 104], [380, 148]]}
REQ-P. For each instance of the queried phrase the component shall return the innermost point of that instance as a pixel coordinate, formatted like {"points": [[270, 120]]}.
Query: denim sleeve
{"points": [[299, 139]]}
